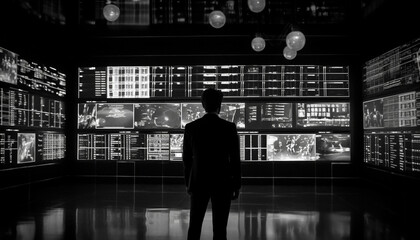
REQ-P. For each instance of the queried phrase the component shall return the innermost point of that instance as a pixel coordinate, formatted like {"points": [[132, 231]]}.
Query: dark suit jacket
{"points": [[211, 155]]}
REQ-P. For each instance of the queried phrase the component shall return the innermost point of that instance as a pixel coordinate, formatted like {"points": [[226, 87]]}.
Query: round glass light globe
{"points": [[258, 44], [111, 12], [217, 19], [256, 6], [295, 40], [288, 53]]}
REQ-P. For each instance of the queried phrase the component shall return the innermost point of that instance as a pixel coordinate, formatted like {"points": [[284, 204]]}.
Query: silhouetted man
{"points": [[212, 166]]}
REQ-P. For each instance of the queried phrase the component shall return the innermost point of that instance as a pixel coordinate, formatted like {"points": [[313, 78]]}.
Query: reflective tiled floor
{"points": [[141, 211]]}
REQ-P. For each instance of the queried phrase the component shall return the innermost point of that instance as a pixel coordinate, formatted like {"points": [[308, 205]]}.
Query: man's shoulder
{"points": [[219, 121], [193, 123], [228, 123], [225, 124]]}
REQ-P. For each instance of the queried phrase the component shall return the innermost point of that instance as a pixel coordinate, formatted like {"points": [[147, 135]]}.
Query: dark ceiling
{"points": [[173, 29]]}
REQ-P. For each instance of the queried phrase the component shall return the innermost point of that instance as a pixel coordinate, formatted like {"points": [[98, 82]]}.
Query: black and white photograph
{"points": [[176, 141], [373, 114], [26, 152], [158, 146], [87, 118], [157, 116], [310, 130], [114, 115], [8, 66], [333, 147], [291, 147]]}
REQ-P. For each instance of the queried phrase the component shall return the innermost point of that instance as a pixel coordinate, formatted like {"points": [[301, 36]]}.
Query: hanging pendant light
{"points": [[256, 6], [111, 12], [295, 40], [217, 19], [258, 44], [288, 53]]}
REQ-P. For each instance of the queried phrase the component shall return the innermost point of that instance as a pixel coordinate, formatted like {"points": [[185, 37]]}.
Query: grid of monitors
{"points": [[395, 68], [21, 147], [396, 111], [253, 116], [233, 80], [392, 120], [138, 113], [132, 146], [32, 112]]}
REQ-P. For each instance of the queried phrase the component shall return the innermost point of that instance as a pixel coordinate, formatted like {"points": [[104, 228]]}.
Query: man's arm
{"points": [[187, 155]]}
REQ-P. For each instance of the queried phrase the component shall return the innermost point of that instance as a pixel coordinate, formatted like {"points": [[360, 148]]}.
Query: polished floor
{"points": [[160, 212]]}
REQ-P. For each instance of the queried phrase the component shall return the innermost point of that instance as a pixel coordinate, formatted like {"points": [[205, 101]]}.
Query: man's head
{"points": [[212, 100]]}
